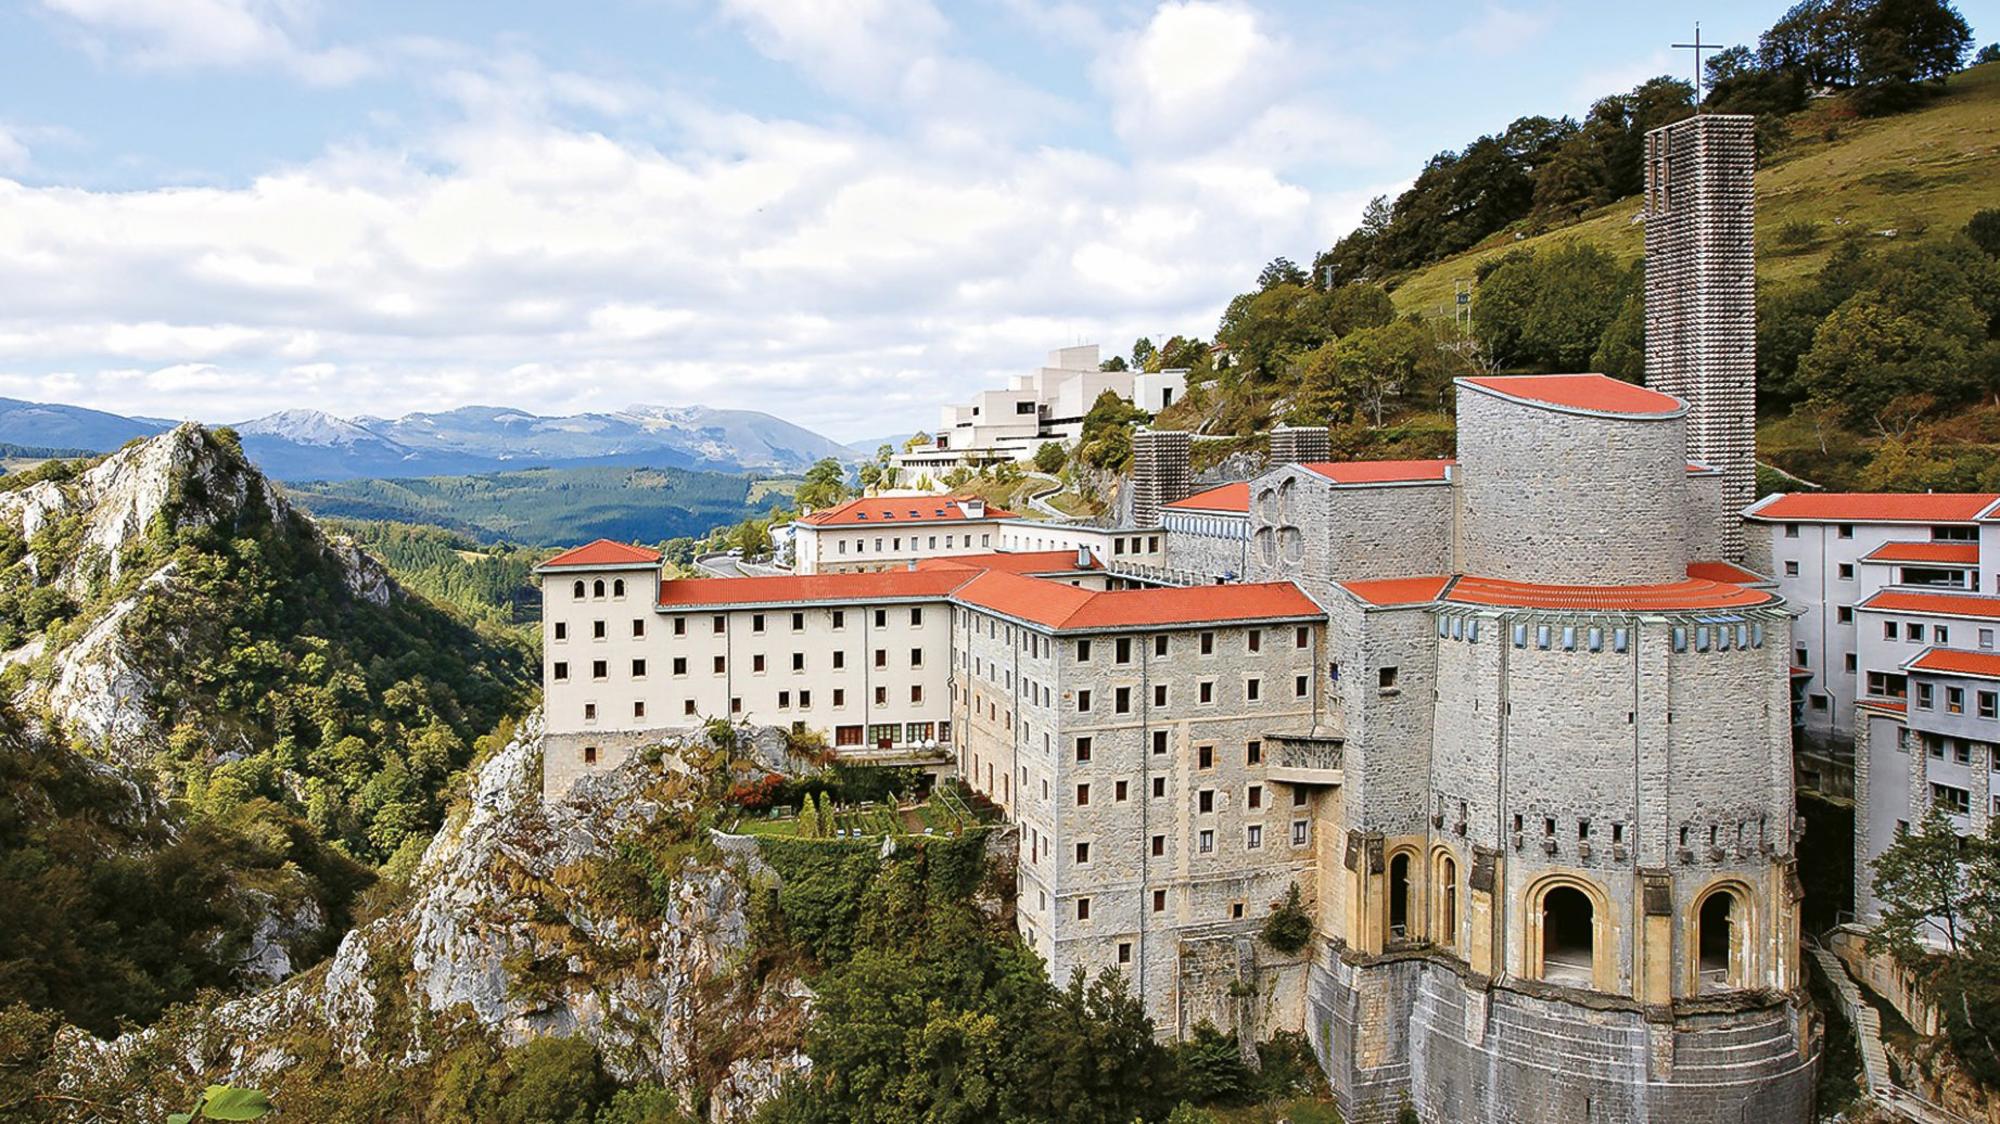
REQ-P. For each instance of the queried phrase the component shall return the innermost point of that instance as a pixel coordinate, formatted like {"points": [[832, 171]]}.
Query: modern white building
{"points": [[1829, 552], [1047, 404]]}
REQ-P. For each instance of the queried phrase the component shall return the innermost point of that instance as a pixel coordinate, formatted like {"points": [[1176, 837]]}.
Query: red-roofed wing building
{"points": [[890, 532]]}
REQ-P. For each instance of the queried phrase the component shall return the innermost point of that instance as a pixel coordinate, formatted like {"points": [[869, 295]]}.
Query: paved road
{"points": [[1039, 500], [719, 565]]}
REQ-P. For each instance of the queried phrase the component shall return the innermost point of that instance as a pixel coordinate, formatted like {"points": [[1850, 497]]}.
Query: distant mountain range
{"points": [[313, 445]]}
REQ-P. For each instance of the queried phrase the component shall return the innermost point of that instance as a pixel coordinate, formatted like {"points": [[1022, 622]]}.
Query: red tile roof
{"points": [[1694, 593], [1895, 706], [1598, 394], [702, 592], [1950, 661], [1944, 553], [1068, 608], [1013, 562], [1872, 507], [1398, 591], [878, 511], [1381, 472], [1948, 604], [1724, 572], [603, 553], [1229, 497]]}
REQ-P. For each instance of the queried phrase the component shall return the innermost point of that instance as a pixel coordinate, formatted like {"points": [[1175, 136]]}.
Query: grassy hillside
{"points": [[1934, 166], [547, 506]]}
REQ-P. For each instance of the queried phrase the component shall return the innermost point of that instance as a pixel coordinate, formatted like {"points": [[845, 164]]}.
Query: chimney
{"points": [[1082, 557]]}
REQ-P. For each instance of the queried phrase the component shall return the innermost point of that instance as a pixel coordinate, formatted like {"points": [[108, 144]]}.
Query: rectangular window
{"points": [[590, 712], [1888, 631], [1208, 643], [1159, 901], [720, 624], [1844, 614], [680, 665], [1300, 832], [1083, 702], [1159, 787], [597, 630], [1082, 795], [562, 631], [1206, 692], [1205, 841], [839, 618], [1954, 700], [1301, 636], [598, 669], [1159, 741], [1299, 686], [1082, 750], [1083, 651], [1253, 837], [1205, 800], [916, 657], [1121, 650], [1386, 678], [1989, 705], [1254, 639], [1924, 699], [1254, 796], [1083, 909], [1160, 644], [1791, 569], [1121, 700], [881, 696], [784, 700], [881, 618], [916, 616], [1940, 635], [680, 626], [1253, 689], [881, 657], [1204, 756], [840, 696], [638, 669], [1082, 853], [1160, 694], [1954, 800], [1159, 845], [1253, 754], [1846, 571], [561, 670], [757, 663]]}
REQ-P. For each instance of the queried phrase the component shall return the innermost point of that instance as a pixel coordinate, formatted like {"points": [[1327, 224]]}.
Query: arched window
{"points": [[1718, 965], [578, 589], [618, 587], [1447, 934], [1399, 897], [1569, 938], [597, 588]]}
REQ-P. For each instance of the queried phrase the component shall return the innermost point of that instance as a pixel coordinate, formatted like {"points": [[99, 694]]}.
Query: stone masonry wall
{"points": [[1568, 498]]}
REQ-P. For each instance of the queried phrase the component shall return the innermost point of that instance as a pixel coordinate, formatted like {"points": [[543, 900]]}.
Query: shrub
{"points": [[1798, 234], [1289, 927]]}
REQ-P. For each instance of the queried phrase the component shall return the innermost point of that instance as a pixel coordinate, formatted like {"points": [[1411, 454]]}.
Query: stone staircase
{"points": [[1875, 1069]]}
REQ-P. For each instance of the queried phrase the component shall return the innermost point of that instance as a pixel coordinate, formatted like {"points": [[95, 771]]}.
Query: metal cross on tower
{"points": [[1697, 47]]}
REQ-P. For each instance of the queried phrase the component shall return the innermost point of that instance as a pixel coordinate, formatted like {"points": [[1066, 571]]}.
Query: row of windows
{"points": [[784, 702], [861, 545], [1960, 750], [1954, 700], [1939, 532], [1253, 691], [601, 630], [595, 589], [1570, 638], [720, 664]]}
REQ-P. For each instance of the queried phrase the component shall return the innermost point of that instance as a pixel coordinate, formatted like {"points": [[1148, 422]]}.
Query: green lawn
{"points": [[1934, 166]]}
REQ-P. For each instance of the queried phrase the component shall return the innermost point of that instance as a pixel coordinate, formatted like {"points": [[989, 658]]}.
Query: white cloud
{"points": [[13, 151], [847, 277], [184, 34], [855, 47]]}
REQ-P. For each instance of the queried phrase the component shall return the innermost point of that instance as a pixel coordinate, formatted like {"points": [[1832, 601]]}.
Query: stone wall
{"points": [[1461, 1053], [1309, 530], [1562, 497]]}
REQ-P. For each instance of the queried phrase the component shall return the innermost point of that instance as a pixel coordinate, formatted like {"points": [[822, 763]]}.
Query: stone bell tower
{"points": [[1701, 296]]}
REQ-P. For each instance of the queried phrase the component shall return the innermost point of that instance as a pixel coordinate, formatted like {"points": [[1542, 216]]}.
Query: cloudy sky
{"points": [[840, 211]]}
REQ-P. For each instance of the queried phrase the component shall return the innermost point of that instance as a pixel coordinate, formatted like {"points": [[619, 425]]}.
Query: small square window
{"points": [[1791, 569], [1386, 678]]}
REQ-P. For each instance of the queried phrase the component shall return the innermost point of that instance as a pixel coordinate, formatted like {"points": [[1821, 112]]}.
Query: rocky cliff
{"points": [[73, 539], [606, 915]]}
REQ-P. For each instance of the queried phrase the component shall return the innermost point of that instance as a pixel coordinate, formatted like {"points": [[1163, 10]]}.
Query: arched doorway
{"points": [[1716, 966], [1399, 897], [1447, 931], [1569, 937]]}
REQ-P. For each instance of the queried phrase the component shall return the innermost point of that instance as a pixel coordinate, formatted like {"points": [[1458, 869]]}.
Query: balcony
{"points": [[1316, 756]]}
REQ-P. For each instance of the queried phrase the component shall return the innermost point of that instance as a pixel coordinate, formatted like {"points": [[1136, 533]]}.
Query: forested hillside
{"points": [[545, 506], [260, 719], [1877, 236]]}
